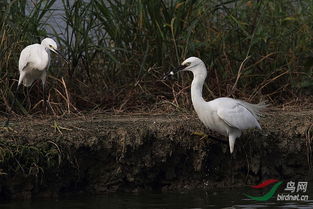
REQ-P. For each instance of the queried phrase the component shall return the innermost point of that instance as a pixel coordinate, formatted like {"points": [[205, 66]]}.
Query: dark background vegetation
{"points": [[120, 50]]}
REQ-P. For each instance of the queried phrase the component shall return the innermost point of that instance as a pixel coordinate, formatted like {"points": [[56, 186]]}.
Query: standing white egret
{"points": [[33, 64], [225, 115]]}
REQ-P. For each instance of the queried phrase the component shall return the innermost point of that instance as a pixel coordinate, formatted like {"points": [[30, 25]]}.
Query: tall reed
{"points": [[119, 51]]}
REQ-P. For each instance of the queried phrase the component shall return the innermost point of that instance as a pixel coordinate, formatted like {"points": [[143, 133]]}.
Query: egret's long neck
{"points": [[197, 85], [45, 46], [47, 50]]}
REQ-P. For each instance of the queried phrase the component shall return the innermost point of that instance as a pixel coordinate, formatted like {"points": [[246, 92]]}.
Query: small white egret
{"points": [[35, 60], [224, 115], [33, 64]]}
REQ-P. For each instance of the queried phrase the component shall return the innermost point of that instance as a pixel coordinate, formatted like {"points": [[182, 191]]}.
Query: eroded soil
{"points": [[104, 153]]}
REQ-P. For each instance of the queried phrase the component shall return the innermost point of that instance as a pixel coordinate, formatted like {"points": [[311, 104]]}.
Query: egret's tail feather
{"points": [[255, 109]]}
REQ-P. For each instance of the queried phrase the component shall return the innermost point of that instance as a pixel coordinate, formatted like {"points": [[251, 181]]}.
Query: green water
{"points": [[171, 200]]}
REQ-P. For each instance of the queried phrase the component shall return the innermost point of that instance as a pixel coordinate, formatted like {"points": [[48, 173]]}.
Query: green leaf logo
{"points": [[269, 194]]}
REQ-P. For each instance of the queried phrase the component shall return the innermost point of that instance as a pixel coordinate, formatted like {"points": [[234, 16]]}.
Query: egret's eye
{"points": [[187, 64], [50, 46]]}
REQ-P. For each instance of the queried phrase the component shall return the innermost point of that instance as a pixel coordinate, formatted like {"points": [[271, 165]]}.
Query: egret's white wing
{"points": [[24, 58], [30, 55], [238, 116]]}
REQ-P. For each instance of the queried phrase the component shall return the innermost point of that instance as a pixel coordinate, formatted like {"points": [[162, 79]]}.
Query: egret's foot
{"points": [[219, 139], [201, 134], [59, 128]]}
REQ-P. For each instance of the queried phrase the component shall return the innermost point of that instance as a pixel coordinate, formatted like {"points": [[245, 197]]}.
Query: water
{"points": [[151, 200]]}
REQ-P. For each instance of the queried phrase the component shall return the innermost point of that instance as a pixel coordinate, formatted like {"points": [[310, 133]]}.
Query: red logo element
{"points": [[264, 184]]}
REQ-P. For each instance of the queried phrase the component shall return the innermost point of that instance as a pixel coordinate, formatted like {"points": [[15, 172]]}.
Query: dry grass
{"points": [[119, 51]]}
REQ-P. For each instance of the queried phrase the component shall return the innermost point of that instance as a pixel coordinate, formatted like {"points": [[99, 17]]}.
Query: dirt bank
{"points": [[103, 153]]}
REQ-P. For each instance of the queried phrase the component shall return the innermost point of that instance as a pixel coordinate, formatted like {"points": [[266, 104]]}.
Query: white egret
{"points": [[33, 64], [224, 115]]}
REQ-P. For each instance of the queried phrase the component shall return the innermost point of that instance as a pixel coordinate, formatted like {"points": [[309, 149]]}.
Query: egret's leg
{"points": [[232, 169], [44, 98], [11, 107], [43, 81], [204, 135], [218, 139], [232, 140], [201, 134], [28, 98]]}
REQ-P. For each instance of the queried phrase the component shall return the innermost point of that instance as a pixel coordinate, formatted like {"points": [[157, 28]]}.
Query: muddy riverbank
{"points": [[103, 153]]}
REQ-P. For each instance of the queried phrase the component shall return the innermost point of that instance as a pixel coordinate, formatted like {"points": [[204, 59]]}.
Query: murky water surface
{"points": [[198, 199]]}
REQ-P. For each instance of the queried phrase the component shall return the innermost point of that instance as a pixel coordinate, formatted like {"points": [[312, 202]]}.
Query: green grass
{"points": [[28, 159], [119, 51]]}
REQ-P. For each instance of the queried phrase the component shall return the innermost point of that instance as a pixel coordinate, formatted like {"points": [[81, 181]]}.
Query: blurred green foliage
{"points": [[119, 50]]}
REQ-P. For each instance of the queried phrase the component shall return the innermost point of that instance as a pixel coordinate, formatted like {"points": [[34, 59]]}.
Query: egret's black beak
{"points": [[60, 54], [173, 72]]}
